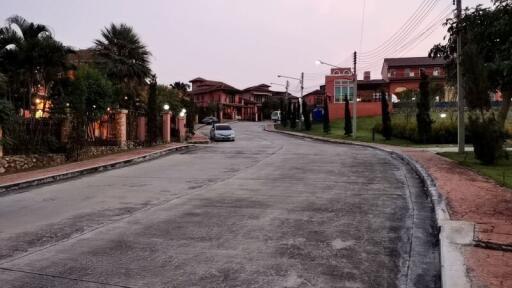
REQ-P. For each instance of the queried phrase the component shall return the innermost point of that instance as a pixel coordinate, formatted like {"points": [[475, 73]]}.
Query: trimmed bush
{"points": [[488, 138], [444, 131]]}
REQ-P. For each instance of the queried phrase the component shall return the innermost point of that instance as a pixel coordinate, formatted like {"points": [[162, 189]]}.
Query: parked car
{"points": [[276, 116], [220, 132], [209, 120]]}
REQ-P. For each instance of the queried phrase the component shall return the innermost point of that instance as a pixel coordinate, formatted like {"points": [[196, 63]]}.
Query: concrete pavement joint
{"points": [[453, 269], [64, 278], [84, 171]]}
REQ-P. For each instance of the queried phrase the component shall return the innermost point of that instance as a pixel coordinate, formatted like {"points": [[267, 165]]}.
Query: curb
{"points": [[80, 172], [452, 234]]}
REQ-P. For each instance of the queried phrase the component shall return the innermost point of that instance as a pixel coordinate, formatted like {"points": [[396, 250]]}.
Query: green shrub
{"points": [[487, 136], [444, 131]]}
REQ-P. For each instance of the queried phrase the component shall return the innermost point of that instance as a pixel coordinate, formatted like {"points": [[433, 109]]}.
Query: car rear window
{"points": [[223, 127]]}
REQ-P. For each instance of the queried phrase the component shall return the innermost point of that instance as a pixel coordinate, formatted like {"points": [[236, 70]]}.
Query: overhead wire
{"points": [[417, 39], [413, 19], [402, 36]]}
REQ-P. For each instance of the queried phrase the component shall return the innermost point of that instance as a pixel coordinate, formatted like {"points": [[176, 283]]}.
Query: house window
{"points": [[436, 72], [376, 96], [231, 98], [408, 73], [392, 73], [343, 88]]}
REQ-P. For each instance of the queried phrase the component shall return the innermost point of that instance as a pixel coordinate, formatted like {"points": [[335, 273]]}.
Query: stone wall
{"points": [[17, 163]]}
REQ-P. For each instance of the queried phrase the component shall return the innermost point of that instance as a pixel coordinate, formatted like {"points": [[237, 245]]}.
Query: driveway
{"points": [[264, 211]]}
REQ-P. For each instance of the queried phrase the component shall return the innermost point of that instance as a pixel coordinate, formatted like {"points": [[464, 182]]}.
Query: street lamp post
{"points": [[301, 81]]}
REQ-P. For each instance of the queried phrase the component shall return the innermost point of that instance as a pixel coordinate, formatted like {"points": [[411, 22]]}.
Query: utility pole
{"points": [[460, 92], [300, 100], [354, 113]]}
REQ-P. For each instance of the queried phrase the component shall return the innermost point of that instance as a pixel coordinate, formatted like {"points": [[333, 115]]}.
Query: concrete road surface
{"points": [[265, 211]]}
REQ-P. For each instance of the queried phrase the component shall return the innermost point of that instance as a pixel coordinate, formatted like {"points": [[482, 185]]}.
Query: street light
{"points": [[183, 112], [166, 107], [301, 81]]}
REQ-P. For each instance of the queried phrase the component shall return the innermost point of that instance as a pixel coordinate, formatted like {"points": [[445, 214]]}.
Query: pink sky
{"points": [[242, 42]]}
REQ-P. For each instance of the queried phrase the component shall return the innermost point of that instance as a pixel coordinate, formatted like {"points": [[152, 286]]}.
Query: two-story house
{"points": [[404, 73], [208, 94]]}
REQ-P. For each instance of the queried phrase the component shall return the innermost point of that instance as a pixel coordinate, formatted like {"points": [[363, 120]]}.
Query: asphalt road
{"points": [[264, 211]]}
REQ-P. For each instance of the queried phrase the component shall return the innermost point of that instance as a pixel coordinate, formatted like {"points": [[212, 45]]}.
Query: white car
{"points": [[220, 132], [276, 116]]}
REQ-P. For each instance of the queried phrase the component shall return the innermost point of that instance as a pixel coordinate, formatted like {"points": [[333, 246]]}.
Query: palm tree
{"points": [[125, 59], [29, 57]]}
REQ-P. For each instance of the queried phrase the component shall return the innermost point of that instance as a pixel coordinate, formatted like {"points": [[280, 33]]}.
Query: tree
{"points": [[291, 114], [284, 115], [423, 120], [153, 111], [126, 61], [181, 87], [386, 118], [166, 95], [326, 121], [348, 118], [486, 33], [29, 58], [89, 98], [306, 113]]}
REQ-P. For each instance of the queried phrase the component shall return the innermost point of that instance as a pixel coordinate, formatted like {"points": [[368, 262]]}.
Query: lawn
{"points": [[364, 132], [500, 172]]}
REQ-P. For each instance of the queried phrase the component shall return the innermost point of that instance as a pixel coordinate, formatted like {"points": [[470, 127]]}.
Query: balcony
{"points": [[414, 75]]}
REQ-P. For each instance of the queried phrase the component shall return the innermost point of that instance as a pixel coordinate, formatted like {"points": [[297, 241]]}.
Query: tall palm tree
{"points": [[29, 57], [126, 61], [125, 58]]}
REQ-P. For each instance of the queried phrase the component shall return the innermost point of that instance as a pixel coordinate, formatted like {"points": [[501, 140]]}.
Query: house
{"points": [[404, 74], [340, 84], [398, 75], [223, 100], [315, 97]]}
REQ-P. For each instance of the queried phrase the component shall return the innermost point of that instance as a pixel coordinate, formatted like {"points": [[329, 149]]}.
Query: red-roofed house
{"points": [[208, 93]]}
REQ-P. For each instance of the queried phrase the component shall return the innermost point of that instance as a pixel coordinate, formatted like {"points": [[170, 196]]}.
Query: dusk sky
{"points": [[246, 42]]}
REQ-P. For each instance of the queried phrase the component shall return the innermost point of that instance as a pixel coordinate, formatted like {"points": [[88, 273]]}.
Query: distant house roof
{"points": [[207, 86], [413, 61], [258, 88], [315, 92], [198, 79], [281, 94]]}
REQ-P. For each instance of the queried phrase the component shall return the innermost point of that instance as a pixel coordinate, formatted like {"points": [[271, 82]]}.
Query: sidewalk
{"points": [[472, 198], [51, 174], [476, 199]]}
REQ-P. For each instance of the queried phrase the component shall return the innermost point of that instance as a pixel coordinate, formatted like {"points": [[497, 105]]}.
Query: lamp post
{"points": [[301, 81], [354, 101]]}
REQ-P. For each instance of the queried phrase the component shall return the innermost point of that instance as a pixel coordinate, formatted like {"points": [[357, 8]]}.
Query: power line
{"points": [[432, 24], [404, 26], [403, 35], [416, 40]]}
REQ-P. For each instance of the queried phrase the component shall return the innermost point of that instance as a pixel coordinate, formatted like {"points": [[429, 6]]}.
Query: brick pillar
{"points": [[141, 129], [256, 113], [65, 129], [166, 126], [120, 127], [1, 137], [181, 128]]}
